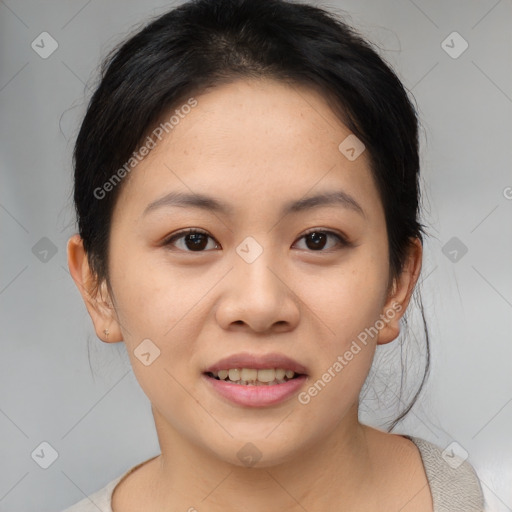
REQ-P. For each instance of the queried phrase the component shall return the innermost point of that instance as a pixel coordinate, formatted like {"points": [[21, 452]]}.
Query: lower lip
{"points": [[256, 396]]}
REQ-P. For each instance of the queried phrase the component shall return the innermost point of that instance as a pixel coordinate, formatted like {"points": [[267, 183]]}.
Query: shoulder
{"points": [[454, 484], [98, 501], [102, 500]]}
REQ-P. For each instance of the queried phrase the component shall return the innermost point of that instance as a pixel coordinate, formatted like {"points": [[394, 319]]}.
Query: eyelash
{"points": [[342, 241]]}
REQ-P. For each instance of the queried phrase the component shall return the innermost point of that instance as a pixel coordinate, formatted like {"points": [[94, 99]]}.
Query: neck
{"points": [[333, 470]]}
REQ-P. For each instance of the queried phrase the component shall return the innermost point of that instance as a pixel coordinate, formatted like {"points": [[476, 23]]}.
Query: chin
{"points": [[258, 450]]}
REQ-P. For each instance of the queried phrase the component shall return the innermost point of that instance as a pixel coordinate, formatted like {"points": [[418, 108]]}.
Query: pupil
{"points": [[317, 237], [196, 240]]}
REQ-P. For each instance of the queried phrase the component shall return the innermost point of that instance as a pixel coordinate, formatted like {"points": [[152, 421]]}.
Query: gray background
{"points": [[97, 419]]}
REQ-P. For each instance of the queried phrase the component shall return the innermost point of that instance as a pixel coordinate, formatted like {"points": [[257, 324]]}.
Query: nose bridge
{"points": [[256, 294], [255, 269]]}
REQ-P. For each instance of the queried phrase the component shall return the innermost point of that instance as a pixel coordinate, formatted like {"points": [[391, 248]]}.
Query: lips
{"points": [[255, 361], [255, 396]]}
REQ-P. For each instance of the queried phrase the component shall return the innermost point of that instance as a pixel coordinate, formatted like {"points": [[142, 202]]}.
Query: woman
{"points": [[246, 188]]}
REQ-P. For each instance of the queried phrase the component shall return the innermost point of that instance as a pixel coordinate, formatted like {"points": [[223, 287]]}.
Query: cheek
{"points": [[155, 311], [346, 299], [347, 303], [347, 308], [150, 297], [157, 322]]}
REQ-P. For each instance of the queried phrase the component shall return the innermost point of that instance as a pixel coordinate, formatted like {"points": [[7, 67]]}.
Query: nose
{"points": [[258, 296]]}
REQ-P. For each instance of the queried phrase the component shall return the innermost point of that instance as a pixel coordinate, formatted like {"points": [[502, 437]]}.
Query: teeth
{"points": [[234, 374], [248, 375], [245, 376], [267, 375]]}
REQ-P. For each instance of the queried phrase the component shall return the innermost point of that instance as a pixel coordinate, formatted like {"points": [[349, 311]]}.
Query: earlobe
{"points": [[399, 298], [100, 309]]}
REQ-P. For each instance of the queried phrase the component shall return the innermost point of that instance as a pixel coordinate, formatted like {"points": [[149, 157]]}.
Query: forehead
{"points": [[251, 139]]}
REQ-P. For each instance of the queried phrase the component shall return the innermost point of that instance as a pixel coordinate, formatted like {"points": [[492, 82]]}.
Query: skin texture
{"points": [[255, 145]]}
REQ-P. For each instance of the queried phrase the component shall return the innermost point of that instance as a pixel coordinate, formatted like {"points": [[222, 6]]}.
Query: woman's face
{"points": [[255, 284]]}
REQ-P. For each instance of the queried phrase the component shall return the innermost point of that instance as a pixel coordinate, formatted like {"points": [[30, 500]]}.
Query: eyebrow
{"points": [[208, 203]]}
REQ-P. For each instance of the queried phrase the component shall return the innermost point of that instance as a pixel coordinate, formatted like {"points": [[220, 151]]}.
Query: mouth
{"points": [[254, 376], [243, 387], [255, 380]]}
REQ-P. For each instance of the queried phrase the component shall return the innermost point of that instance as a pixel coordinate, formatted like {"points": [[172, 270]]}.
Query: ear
{"points": [[97, 298], [400, 294]]}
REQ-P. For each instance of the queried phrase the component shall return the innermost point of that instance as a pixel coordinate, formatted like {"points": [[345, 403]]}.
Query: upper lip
{"points": [[247, 360]]}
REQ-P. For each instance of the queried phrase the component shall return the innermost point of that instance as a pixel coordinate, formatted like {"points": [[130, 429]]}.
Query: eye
{"points": [[195, 240], [317, 239]]}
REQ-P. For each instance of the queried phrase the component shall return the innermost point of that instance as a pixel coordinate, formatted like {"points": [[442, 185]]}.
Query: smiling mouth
{"points": [[253, 377]]}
